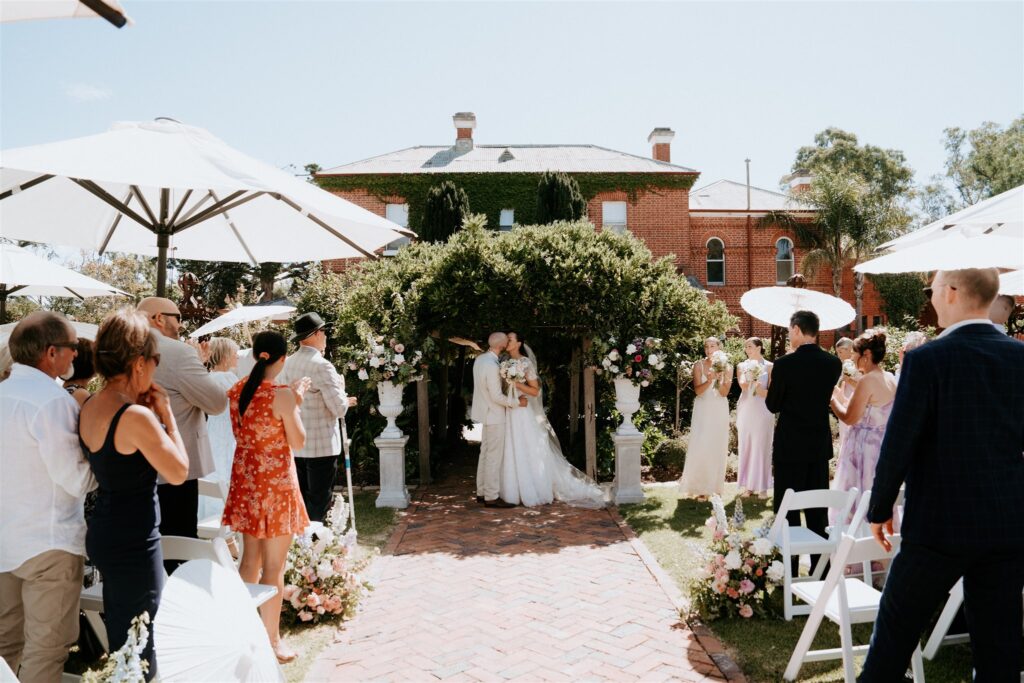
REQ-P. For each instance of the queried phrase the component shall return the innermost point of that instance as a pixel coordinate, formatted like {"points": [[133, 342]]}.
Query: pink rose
{"points": [[320, 609], [305, 615], [338, 564], [399, 348], [746, 586], [312, 600], [759, 572], [732, 593], [289, 591], [746, 611]]}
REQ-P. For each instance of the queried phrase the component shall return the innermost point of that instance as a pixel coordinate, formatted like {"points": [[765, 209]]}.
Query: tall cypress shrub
{"points": [[446, 207], [559, 198]]}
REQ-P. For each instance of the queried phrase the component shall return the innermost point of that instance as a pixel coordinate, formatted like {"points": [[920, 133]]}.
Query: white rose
{"points": [[399, 359], [776, 571], [378, 350], [325, 570], [631, 349], [606, 363], [363, 375], [762, 546], [732, 560], [374, 362], [645, 383], [613, 369], [613, 355], [652, 359]]}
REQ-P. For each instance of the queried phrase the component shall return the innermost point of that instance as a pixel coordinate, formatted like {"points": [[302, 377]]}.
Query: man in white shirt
{"points": [[323, 404], [193, 395], [43, 481]]}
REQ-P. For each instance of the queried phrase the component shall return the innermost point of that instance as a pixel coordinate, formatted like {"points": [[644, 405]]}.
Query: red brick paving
{"points": [[468, 593]]}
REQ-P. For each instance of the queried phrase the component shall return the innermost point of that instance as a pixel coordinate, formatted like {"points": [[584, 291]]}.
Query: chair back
{"points": [[842, 501], [213, 488], [181, 549]]}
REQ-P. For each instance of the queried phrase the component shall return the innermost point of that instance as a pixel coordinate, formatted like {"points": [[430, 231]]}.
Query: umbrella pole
{"points": [[348, 476], [162, 242], [3, 304]]}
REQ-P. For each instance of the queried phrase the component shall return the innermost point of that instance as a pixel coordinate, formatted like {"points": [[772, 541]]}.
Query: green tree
{"points": [[559, 198], [135, 275], [446, 208], [902, 295], [986, 160], [849, 222]]}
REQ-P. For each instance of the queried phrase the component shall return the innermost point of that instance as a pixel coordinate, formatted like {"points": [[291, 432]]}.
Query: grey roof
{"points": [[495, 159], [726, 195]]}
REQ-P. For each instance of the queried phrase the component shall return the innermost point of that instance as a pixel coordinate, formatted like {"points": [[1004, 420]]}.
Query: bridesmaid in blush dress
{"points": [[754, 423]]}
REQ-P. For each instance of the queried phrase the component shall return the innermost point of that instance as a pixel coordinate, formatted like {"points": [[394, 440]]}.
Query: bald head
{"points": [[163, 315], [963, 294], [497, 341]]}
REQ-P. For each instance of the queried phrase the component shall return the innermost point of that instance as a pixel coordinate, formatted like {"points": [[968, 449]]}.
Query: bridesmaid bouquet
{"points": [[753, 374], [126, 664], [719, 363], [740, 571]]}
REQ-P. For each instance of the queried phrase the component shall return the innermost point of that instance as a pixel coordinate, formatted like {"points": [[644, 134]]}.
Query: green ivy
{"points": [[489, 193], [902, 295]]}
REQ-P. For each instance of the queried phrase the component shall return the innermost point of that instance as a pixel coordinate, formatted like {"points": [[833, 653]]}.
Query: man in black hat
{"points": [[324, 403]]}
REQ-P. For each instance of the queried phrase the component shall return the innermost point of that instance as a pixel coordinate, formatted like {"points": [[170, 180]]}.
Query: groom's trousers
{"points": [[918, 585], [488, 470]]}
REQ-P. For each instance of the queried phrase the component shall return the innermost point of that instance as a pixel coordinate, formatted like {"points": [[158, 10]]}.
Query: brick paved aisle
{"points": [[467, 593]]}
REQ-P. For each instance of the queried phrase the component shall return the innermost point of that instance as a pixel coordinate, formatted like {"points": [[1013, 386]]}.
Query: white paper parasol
{"points": [[1012, 283], [775, 305], [242, 314], [208, 630]]}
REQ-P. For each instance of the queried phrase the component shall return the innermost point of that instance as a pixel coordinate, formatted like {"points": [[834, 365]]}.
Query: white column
{"points": [[627, 468], [393, 493]]}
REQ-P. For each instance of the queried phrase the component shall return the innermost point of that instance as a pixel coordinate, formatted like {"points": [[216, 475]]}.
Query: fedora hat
{"points": [[306, 324]]}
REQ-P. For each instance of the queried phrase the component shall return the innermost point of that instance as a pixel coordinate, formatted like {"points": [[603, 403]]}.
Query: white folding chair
{"points": [[844, 601], [794, 541], [210, 526], [176, 548], [940, 634]]}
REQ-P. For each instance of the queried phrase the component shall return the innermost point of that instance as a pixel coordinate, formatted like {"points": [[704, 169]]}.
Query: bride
{"points": [[534, 471]]}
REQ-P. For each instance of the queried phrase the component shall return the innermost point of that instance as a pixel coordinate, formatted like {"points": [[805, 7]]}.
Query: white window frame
{"points": [[619, 227], [502, 225], [791, 260], [399, 214], [708, 260]]}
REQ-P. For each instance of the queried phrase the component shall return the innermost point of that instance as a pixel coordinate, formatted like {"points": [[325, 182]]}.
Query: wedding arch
{"points": [[561, 285]]}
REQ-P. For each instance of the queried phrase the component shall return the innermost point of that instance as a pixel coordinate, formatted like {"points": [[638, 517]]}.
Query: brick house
{"points": [[711, 232]]}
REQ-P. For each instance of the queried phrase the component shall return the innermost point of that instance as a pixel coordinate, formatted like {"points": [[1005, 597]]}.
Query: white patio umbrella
{"points": [[83, 330], [775, 305], [1001, 215], [951, 252], [22, 273], [165, 188], [240, 315], [208, 630], [1012, 283], [22, 10]]}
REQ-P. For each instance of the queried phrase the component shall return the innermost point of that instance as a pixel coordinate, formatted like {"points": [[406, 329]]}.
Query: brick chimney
{"points": [[465, 122], [799, 181], [661, 141]]}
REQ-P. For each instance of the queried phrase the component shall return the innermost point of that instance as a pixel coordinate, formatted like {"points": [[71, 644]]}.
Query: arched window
{"points": [[716, 261], [783, 260]]}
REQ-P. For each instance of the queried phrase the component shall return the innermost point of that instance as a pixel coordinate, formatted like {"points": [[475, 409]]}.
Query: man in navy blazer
{"points": [[956, 437]]}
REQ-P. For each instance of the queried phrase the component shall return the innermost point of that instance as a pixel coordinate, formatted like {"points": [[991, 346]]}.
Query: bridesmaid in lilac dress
{"points": [[754, 423], [866, 412]]}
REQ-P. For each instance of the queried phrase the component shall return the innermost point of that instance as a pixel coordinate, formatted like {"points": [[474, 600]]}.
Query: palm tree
{"points": [[849, 222]]}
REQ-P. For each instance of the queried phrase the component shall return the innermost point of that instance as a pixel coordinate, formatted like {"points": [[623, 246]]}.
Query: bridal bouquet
{"points": [[512, 370], [740, 572], [321, 578], [383, 360], [719, 363], [638, 361], [126, 664]]}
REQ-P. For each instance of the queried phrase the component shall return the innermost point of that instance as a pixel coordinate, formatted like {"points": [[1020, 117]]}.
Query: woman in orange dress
{"points": [[264, 503]]}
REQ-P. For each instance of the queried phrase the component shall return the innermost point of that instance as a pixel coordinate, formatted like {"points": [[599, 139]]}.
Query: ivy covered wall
{"points": [[489, 193]]}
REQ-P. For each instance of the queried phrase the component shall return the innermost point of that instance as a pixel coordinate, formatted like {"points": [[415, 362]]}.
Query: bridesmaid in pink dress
{"points": [[754, 423], [867, 412]]}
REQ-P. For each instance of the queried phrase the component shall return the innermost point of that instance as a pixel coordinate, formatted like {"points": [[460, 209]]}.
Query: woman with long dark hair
{"points": [[264, 502]]}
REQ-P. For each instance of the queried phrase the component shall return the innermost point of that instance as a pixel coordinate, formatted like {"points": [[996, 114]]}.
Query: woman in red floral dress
{"points": [[264, 503]]}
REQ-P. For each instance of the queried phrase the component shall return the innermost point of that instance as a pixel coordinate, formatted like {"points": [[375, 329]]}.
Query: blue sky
{"points": [[332, 82]]}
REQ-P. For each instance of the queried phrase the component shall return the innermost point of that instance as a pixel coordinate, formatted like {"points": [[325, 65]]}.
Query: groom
{"points": [[489, 404]]}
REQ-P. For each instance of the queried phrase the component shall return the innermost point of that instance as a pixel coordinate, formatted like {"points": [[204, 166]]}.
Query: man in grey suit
{"points": [[193, 395], [489, 404]]}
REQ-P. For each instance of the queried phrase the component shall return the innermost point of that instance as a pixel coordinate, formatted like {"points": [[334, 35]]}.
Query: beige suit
{"points": [[489, 404], [193, 394]]}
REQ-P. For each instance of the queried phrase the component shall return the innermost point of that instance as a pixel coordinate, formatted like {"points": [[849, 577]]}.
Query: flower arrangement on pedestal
{"points": [[386, 359], [126, 664], [321, 578], [639, 360], [740, 572]]}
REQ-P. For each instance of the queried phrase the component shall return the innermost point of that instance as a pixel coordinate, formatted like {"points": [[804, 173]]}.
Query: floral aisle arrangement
{"points": [[322, 577], [386, 360], [741, 572], [638, 361], [126, 665]]}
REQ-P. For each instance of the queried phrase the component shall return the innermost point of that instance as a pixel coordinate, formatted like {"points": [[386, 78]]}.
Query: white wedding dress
{"points": [[534, 471]]}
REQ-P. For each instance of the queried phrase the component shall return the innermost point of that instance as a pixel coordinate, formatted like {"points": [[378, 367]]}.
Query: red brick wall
{"points": [[661, 219], [369, 202]]}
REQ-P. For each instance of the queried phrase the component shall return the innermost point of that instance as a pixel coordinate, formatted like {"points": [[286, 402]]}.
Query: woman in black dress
{"points": [[129, 435]]}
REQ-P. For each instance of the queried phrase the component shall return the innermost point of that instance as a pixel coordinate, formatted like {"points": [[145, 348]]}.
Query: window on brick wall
{"points": [[716, 261], [613, 217], [876, 320], [507, 220], [397, 213], [783, 260]]}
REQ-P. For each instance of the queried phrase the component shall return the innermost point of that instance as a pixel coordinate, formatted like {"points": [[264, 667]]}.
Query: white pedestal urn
{"points": [[627, 488], [627, 402], [391, 444]]}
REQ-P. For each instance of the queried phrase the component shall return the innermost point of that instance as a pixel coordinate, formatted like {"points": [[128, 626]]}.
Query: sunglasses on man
{"points": [[928, 290]]}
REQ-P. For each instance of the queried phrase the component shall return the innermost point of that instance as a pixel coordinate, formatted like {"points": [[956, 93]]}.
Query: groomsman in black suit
{"points": [[956, 437], [800, 391]]}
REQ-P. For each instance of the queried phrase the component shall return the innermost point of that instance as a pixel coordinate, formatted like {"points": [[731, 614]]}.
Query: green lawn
{"points": [[674, 531], [374, 526]]}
